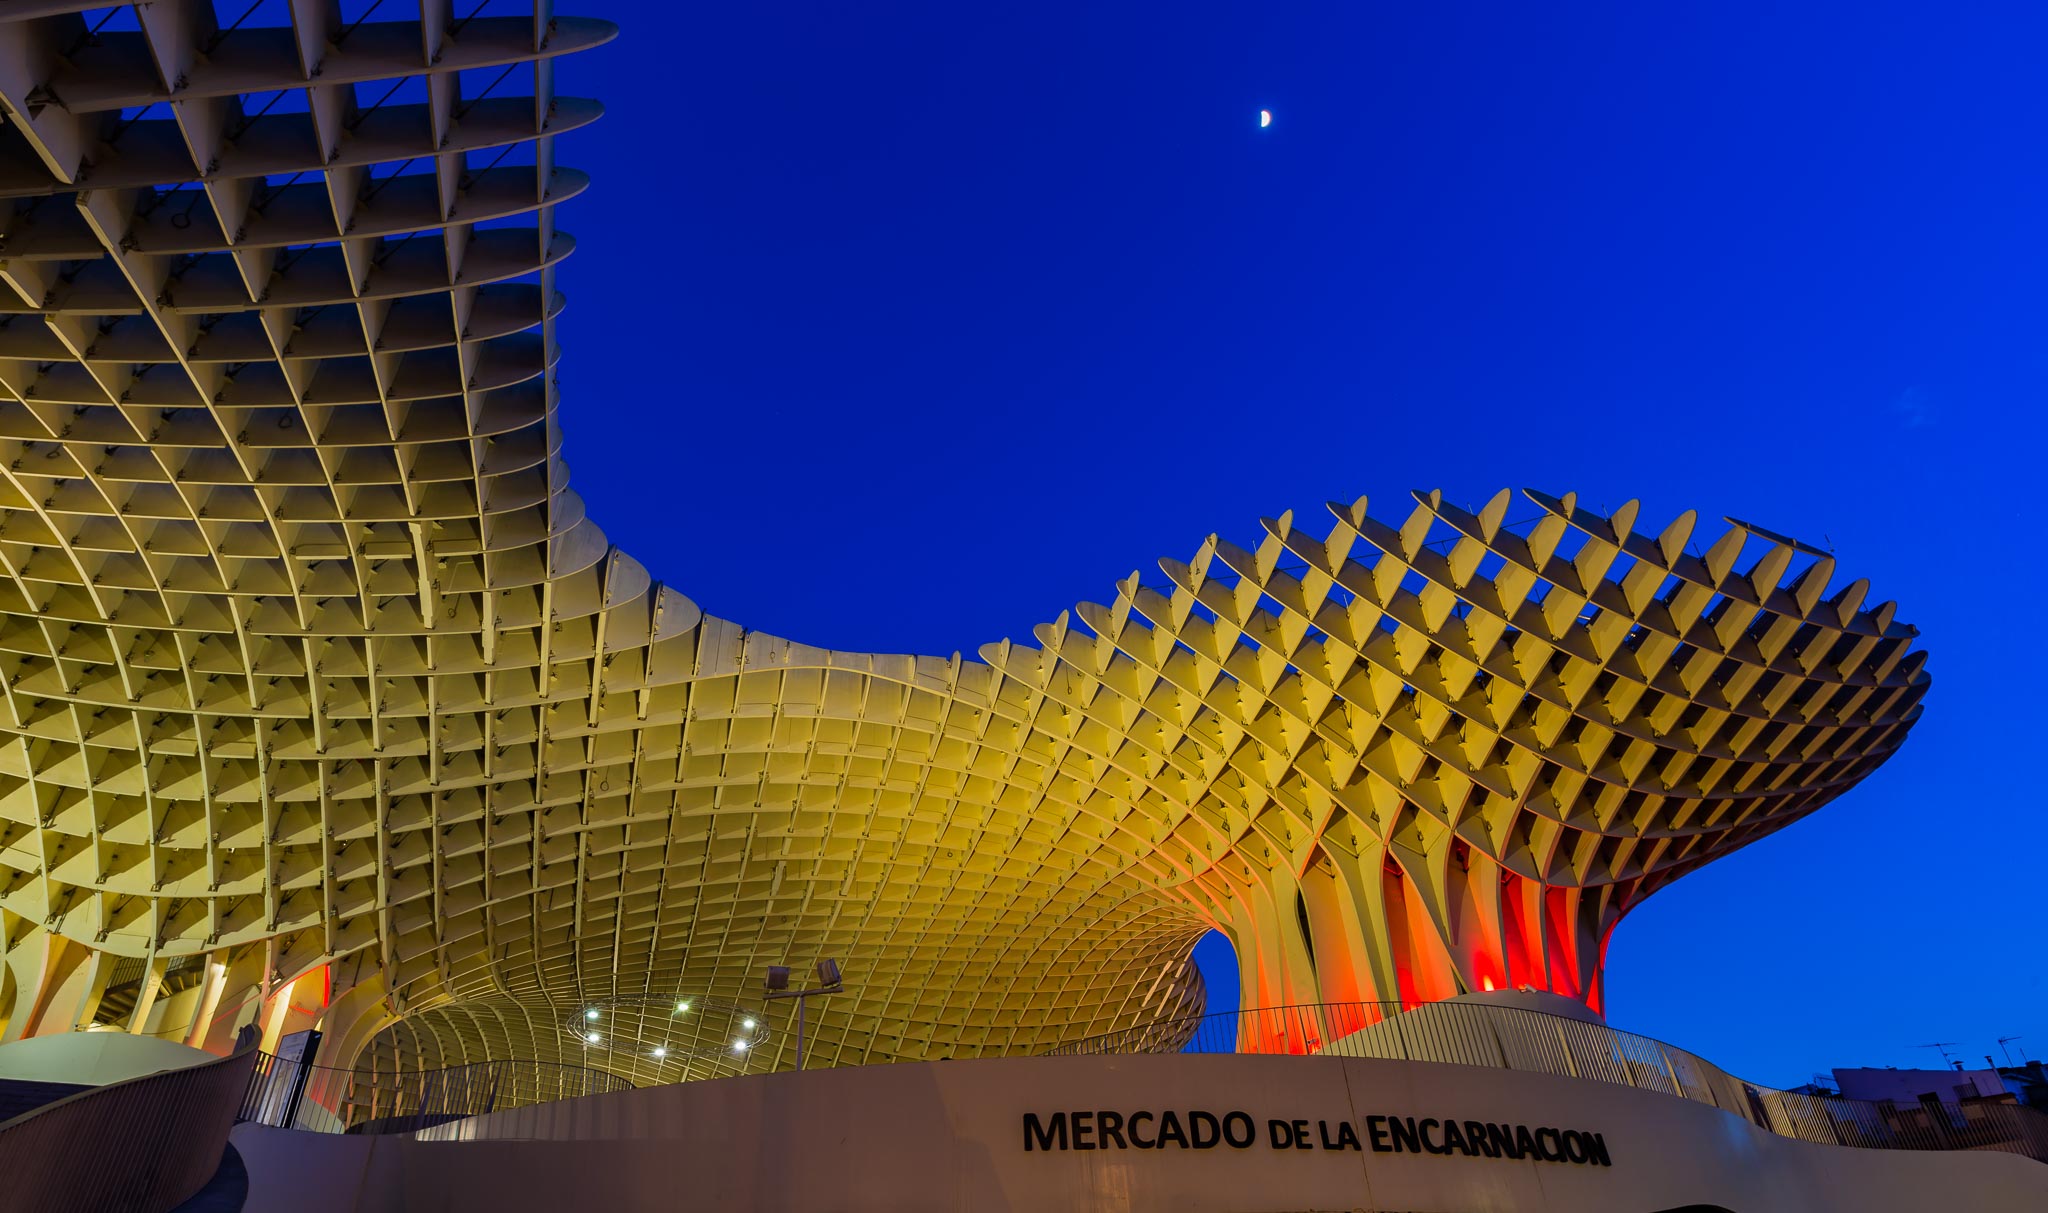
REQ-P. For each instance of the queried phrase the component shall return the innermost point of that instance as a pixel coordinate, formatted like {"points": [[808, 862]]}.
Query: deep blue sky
{"points": [[905, 327]]}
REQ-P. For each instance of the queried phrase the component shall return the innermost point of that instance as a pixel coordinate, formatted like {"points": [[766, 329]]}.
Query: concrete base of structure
{"points": [[1091, 1133]]}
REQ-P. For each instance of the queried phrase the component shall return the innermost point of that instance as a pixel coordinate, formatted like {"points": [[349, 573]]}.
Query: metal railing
{"points": [[1516, 1038], [145, 1144], [299, 1095]]}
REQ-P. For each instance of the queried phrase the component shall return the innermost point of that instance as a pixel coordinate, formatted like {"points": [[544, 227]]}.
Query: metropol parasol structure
{"points": [[322, 700]]}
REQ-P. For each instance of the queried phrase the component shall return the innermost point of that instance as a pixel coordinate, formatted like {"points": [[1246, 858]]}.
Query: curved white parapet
{"points": [[1533, 1000], [1248, 1132], [94, 1058]]}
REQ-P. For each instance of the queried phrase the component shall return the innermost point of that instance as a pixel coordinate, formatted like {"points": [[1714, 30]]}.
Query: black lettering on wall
{"points": [[1454, 1139], [1500, 1141], [1170, 1130], [1109, 1126], [1043, 1134], [1475, 1135], [1084, 1124], [1202, 1130], [1427, 1144], [1235, 1122]]}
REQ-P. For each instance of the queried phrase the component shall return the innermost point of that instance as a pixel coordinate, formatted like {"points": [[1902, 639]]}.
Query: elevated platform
{"points": [[1247, 1132], [93, 1059], [39, 1072]]}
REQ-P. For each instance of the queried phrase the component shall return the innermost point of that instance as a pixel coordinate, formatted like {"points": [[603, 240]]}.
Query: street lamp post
{"points": [[778, 987]]}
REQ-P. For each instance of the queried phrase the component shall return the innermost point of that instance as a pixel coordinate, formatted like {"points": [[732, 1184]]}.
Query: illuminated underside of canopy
{"points": [[315, 669]]}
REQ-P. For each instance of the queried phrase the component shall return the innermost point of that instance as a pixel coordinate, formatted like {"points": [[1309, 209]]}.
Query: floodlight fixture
{"points": [[829, 982]]}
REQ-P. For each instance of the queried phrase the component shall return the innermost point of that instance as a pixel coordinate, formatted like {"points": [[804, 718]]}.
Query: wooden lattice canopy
{"points": [[314, 675]]}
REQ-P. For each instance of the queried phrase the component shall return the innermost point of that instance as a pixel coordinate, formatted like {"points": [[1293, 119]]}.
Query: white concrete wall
{"points": [[949, 1136], [95, 1058]]}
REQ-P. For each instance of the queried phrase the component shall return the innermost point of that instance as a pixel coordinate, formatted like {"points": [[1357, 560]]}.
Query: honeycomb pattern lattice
{"points": [[312, 664]]}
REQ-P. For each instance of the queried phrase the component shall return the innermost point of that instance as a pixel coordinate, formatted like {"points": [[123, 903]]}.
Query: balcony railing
{"points": [[297, 1095], [1515, 1038], [145, 1144], [321, 1098]]}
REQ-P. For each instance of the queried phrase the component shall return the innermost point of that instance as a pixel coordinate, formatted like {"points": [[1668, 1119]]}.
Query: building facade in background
{"points": [[1912, 1086]]}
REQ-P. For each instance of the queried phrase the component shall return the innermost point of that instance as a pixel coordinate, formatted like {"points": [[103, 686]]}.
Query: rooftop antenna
{"points": [[1942, 1046], [2008, 1052]]}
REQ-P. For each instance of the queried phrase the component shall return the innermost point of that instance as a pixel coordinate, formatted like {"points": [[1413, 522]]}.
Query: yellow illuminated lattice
{"points": [[311, 657]]}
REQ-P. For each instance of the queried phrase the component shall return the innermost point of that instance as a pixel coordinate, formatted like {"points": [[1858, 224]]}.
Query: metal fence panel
{"points": [[361, 1101], [1473, 1034], [1531, 1042], [145, 1144], [1516, 1038]]}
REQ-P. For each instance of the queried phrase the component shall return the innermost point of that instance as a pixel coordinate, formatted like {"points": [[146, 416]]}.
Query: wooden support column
{"points": [[274, 1013], [202, 1019], [145, 998]]}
